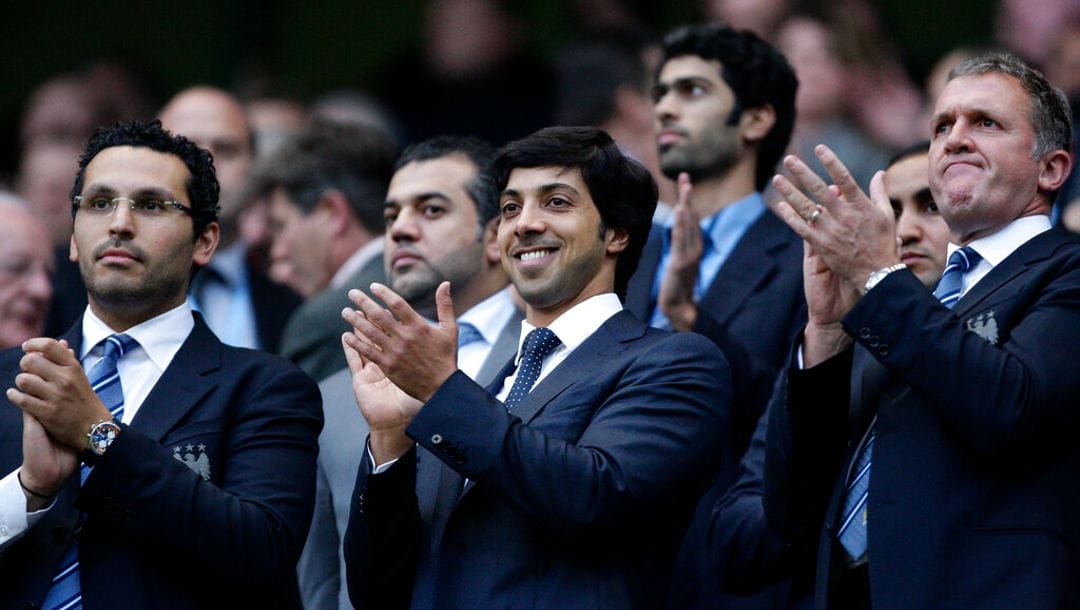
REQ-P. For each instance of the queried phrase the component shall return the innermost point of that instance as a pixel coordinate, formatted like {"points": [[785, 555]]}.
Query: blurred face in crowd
{"points": [[554, 246], [131, 262], [981, 171], [923, 234], [214, 120], [693, 107], [25, 264], [44, 180], [300, 253], [433, 230]]}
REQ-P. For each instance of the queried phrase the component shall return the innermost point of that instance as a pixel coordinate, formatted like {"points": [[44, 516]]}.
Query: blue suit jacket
{"points": [[577, 499], [973, 489], [156, 533]]}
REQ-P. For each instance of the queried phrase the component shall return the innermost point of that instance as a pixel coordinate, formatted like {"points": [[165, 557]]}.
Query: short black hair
{"points": [[202, 185], [355, 160], [757, 73], [624, 192], [920, 148], [482, 188]]}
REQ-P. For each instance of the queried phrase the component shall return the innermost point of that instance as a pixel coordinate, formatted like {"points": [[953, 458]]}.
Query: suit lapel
{"points": [[1037, 249], [182, 384], [607, 340], [505, 348], [749, 266]]}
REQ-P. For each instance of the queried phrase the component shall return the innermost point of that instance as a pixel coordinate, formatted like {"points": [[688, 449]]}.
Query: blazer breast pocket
{"points": [[197, 445]]}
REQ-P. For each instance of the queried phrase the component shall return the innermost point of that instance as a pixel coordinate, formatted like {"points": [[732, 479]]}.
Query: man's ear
{"points": [[73, 250], [206, 244], [1053, 170], [338, 213], [490, 238], [617, 240], [756, 123]]}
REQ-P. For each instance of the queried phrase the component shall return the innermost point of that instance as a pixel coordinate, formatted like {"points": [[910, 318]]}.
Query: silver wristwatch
{"points": [[880, 274]]}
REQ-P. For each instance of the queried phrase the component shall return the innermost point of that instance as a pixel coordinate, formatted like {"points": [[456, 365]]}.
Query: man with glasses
{"points": [[158, 466]]}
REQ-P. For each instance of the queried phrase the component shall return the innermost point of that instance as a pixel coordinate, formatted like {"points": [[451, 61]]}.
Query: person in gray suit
{"points": [[325, 190], [441, 220]]}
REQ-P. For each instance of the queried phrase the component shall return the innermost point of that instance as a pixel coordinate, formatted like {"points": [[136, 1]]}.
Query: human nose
{"points": [[404, 227], [665, 108], [38, 284], [120, 217], [907, 227], [959, 137], [529, 220]]}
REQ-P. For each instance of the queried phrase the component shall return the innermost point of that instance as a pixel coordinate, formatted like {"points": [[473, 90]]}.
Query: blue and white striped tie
{"points": [[952, 280], [65, 593]]}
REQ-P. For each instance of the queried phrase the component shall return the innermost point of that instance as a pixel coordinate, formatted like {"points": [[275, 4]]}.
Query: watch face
{"points": [[102, 436]]}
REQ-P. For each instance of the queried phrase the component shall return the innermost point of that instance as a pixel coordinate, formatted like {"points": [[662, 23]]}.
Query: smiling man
{"points": [[197, 459], [601, 426], [948, 478]]}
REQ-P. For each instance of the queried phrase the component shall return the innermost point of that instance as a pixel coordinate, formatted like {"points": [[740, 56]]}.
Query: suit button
{"points": [[873, 341], [884, 349], [864, 332], [459, 459], [436, 439]]}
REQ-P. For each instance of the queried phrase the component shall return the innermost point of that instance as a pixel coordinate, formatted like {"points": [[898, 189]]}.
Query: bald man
{"points": [[25, 263], [239, 302]]}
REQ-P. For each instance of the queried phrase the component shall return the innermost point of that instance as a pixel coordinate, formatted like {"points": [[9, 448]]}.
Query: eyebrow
{"points": [[924, 195], [543, 189], [149, 191], [420, 198]]}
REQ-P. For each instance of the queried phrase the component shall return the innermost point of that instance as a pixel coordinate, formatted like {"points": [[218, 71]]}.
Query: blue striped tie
{"points": [[538, 344], [951, 282], [65, 593]]}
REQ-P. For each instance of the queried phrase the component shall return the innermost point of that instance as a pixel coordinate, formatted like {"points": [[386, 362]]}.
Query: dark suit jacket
{"points": [[156, 534], [577, 499], [973, 489], [312, 337], [322, 563]]}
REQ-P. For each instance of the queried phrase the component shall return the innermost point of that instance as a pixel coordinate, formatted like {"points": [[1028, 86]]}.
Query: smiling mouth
{"points": [[533, 255]]}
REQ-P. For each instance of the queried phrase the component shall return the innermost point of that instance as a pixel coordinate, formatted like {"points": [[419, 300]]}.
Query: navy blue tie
{"points": [[65, 593], [538, 344], [952, 280]]}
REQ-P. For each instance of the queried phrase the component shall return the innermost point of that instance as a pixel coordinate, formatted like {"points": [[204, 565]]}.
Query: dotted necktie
{"points": [[538, 344], [66, 592]]}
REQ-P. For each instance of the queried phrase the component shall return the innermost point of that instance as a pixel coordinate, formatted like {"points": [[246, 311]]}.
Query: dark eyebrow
{"points": [[146, 192], [924, 196], [555, 186]]}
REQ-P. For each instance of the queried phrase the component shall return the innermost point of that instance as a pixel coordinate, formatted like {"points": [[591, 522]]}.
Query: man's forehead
{"points": [[908, 175], [688, 67], [976, 92], [134, 168], [447, 174], [525, 179]]}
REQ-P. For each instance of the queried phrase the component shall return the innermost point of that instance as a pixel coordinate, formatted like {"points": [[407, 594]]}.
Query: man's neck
{"points": [[715, 193]]}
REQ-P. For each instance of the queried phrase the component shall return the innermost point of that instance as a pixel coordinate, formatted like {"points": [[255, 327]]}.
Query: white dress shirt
{"points": [[489, 317], [159, 339], [996, 247]]}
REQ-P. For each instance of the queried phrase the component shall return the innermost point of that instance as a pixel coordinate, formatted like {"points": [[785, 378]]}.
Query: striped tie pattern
{"points": [[538, 344], [65, 593], [949, 287], [852, 531]]}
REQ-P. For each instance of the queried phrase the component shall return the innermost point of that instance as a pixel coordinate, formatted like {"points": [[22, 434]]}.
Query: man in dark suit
{"points": [[742, 552], [325, 190], [441, 210], [947, 477], [570, 493], [722, 265], [238, 301], [198, 459]]}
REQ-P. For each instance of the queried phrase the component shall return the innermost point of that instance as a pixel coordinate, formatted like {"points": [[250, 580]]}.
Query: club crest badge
{"points": [[985, 326], [195, 458]]}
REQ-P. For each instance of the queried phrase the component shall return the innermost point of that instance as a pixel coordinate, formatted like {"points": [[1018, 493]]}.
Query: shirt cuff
{"points": [[14, 520]]}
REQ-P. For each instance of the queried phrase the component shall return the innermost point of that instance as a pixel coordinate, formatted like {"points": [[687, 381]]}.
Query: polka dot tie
{"points": [[538, 344]]}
